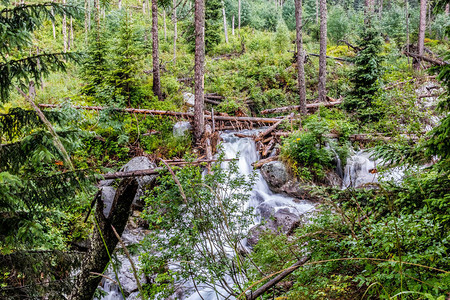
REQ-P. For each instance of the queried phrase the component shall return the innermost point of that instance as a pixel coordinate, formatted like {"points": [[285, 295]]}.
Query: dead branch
{"points": [[260, 163], [260, 291], [310, 107], [273, 127], [357, 49], [437, 61], [331, 57]]}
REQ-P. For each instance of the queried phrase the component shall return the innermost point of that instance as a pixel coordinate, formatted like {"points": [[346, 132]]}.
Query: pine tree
{"points": [[365, 75], [37, 184]]}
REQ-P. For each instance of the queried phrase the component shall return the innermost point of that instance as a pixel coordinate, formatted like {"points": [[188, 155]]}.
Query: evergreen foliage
{"points": [[365, 76]]}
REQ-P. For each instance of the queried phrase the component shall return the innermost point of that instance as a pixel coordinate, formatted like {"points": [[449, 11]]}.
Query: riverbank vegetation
{"points": [[387, 77]]}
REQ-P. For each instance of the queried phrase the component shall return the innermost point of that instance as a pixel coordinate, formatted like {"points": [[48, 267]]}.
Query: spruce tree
{"points": [[365, 75]]}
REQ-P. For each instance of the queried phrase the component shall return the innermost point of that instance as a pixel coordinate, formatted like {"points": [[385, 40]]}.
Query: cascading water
{"points": [[262, 199]]}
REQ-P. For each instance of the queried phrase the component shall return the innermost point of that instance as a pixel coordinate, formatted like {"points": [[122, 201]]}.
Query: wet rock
{"points": [[181, 129], [333, 179], [145, 182], [125, 274], [280, 181], [265, 211], [282, 222], [108, 193]]}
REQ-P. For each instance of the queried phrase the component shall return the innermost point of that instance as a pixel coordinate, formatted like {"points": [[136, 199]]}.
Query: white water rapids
{"points": [[360, 170]]}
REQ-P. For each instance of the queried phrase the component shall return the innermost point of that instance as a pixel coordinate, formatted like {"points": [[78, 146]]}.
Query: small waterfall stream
{"points": [[262, 199]]}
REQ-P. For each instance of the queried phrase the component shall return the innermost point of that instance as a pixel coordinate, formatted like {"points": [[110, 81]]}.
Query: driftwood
{"points": [[104, 240], [309, 107], [260, 291], [268, 147], [172, 113], [258, 164], [434, 61], [272, 128]]}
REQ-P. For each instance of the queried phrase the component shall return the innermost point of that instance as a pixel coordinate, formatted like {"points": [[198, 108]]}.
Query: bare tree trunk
{"points": [[300, 57], [120, 4], [422, 25], [89, 14], [97, 15], [164, 25], [144, 6], [175, 32], [225, 29], [199, 122], [86, 15], [407, 26], [52, 12], [103, 239], [64, 30], [239, 16], [71, 33], [232, 25], [447, 10], [323, 51], [155, 52]]}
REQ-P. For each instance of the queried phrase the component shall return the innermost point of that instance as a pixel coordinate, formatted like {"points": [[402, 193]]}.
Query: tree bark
{"points": [[199, 122], [64, 30], [104, 240], [407, 25], [175, 31], [71, 44], [300, 58], [164, 24], [323, 51], [155, 52], [447, 10], [260, 291], [232, 25], [239, 15], [422, 26], [225, 29], [52, 12]]}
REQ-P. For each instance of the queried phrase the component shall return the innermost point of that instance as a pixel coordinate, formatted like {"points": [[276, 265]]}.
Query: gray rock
{"points": [[125, 274], [189, 99], [265, 211], [106, 182], [280, 181], [145, 182], [108, 194], [282, 222], [275, 173], [181, 129]]}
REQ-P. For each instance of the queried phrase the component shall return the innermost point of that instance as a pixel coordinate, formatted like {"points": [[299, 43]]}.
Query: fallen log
{"points": [[310, 107], [393, 85], [259, 163], [210, 101], [438, 61], [273, 127], [170, 113], [260, 291], [268, 147], [156, 171], [104, 240], [335, 58]]}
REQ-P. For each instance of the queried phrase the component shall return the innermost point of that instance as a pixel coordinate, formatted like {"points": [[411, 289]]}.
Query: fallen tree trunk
{"points": [[104, 240], [260, 163], [171, 113], [438, 61], [335, 58], [272, 128], [309, 107], [260, 291]]}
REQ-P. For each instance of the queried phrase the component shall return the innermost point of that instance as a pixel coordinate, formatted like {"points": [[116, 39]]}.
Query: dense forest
{"points": [[225, 149]]}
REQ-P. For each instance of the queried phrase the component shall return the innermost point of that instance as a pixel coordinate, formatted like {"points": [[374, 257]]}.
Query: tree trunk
{"points": [[97, 16], [104, 240], [86, 28], [155, 52], [71, 33], [232, 25], [447, 10], [323, 51], [164, 25], [422, 27], [199, 122], [225, 29], [120, 4], [380, 10], [369, 7], [175, 31], [407, 25], [300, 57], [64, 30], [239, 15], [52, 12]]}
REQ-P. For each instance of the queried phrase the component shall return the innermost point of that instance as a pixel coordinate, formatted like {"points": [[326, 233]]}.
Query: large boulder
{"points": [[282, 222], [181, 129], [108, 194], [145, 182], [279, 180]]}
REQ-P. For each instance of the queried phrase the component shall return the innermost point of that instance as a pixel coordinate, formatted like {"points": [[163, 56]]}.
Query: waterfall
{"points": [[262, 199]]}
